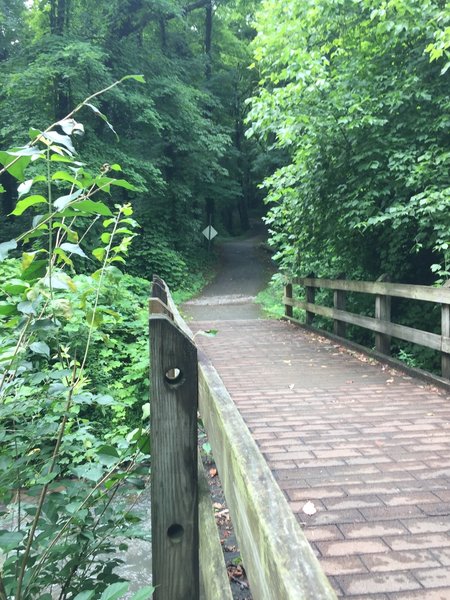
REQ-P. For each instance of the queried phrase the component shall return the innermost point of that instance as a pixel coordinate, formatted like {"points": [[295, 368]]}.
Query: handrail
{"points": [[279, 562], [383, 288], [382, 325]]}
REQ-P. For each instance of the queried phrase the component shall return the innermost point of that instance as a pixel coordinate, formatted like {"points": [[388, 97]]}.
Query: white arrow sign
{"points": [[209, 232]]}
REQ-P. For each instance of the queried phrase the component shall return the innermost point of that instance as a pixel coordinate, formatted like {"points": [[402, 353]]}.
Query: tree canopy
{"points": [[356, 94], [181, 134]]}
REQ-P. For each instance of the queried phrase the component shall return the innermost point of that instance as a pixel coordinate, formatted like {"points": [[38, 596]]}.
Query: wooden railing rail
{"points": [[279, 561], [382, 325]]}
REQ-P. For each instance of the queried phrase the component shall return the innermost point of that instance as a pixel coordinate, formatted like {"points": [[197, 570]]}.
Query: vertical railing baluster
{"points": [[288, 308], [445, 332], [339, 299], [383, 312], [310, 293]]}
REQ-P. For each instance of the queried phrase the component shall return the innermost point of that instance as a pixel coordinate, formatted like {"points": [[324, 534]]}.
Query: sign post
{"points": [[209, 233]]}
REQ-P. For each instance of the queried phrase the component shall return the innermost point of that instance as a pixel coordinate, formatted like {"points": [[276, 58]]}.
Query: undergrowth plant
{"points": [[65, 494]]}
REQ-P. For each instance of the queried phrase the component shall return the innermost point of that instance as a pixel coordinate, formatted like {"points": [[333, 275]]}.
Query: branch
{"points": [[187, 9]]}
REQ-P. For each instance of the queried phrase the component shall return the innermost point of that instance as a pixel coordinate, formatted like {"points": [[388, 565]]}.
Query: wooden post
{"points": [[159, 289], [288, 310], [174, 485], [339, 327], [383, 312], [311, 299], [445, 331]]}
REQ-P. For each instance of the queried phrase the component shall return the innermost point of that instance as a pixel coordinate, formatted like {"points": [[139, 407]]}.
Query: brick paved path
{"points": [[370, 448]]}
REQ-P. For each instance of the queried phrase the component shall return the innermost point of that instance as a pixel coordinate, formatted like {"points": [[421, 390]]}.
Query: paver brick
{"points": [[410, 542], [343, 565], [326, 532], [315, 493], [377, 583], [431, 578], [380, 529], [427, 525], [351, 547], [374, 457], [400, 561], [437, 594]]}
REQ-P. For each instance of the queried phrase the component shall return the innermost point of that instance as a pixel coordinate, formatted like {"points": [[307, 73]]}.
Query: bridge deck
{"points": [[368, 446]]}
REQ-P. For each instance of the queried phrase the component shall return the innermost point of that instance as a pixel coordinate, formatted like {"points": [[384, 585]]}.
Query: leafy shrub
{"points": [[64, 488]]}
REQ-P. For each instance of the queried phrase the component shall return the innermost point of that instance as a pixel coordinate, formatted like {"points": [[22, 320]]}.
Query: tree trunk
{"points": [[208, 39]]}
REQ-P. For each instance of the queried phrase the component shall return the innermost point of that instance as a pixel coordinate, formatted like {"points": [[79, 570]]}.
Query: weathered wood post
{"points": [[174, 486], [311, 299], [383, 312], [288, 309], [339, 327], [445, 332]]}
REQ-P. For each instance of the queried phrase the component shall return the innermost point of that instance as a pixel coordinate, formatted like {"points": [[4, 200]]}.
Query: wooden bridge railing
{"points": [[187, 557], [382, 325]]}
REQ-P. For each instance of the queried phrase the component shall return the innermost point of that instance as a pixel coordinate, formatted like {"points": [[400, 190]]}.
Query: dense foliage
{"points": [[181, 134], [356, 93], [349, 116], [73, 444]]}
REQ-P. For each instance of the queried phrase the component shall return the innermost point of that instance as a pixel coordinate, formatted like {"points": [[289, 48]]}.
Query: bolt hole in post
{"points": [[175, 533], [174, 376]]}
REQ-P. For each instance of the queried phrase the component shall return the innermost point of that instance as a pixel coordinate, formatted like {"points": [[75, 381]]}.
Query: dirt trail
{"points": [[245, 269]]}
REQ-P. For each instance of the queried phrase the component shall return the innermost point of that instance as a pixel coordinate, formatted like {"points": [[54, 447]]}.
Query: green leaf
{"points": [[93, 208], [124, 184], [26, 308], [139, 78], [59, 281], [22, 205], [16, 286], [40, 348], [115, 591], [108, 455], [6, 309], [90, 472], [35, 270], [73, 249], [86, 595], [115, 167], [99, 253], [144, 594], [64, 176], [105, 237], [63, 201], [60, 252], [44, 479], [105, 400], [5, 247], [65, 159], [94, 319], [20, 164], [10, 540]]}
